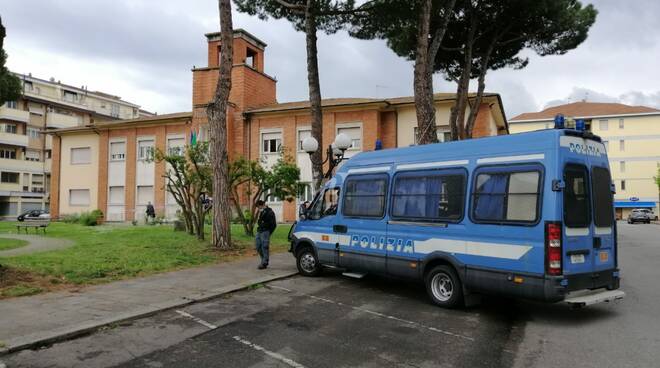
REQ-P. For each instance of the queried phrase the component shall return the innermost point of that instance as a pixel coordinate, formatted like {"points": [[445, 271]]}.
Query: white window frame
{"points": [[298, 140], [621, 123], [12, 104], [603, 124], [351, 125], [278, 148], [80, 204], [172, 137], [150, 154], [439, 132], [38, 155], [89, 160], [622, 166], [120, 156]]}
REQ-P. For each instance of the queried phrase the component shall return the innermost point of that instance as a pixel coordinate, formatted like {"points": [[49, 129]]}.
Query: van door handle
{"points": [[597, 243], [340, 229]]}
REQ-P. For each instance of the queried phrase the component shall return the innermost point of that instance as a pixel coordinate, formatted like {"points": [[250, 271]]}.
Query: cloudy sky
{"points": [[143, 50]]}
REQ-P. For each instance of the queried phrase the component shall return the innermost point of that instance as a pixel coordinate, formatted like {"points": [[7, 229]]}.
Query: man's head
{"points": [[261, 204], [149, 203]]}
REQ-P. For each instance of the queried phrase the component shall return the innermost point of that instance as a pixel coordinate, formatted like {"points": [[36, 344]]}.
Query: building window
{"points": [[33, 133], [175, 146], [10, 128], [622, 145], [302, 134], [11, 104], [502, 196], [621, 124], [623, 185], [9, 177], [145, 194], [251, 58], [306, 193], [355, 134], [37, 179], [114, 110], [603, 124], [443, 135], [145, 150], [271, 142], [28, 86], [70, 96], [8, 153], [622, 166], [117, 151], [81, 155], [79, 197], [32, 155], [116, 195]]}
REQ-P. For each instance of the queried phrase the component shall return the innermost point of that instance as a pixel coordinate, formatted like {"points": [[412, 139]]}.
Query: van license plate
{"points": [[577, 258]]}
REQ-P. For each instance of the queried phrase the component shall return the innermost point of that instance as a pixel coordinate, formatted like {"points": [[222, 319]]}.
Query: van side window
{"points": [[576, 197], [429, 196], [602, 196], [506, 196], [325, 204], [364, 196]]}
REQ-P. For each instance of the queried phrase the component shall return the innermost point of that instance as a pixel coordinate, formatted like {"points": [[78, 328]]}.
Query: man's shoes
{"points": [[262, 267]]}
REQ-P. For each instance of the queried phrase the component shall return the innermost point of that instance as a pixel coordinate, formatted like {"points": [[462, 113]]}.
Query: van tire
{"points": [[307, 262], [444, 287]]}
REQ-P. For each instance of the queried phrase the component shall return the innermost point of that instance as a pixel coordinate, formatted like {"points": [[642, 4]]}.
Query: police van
{"points": [[526, 215]]}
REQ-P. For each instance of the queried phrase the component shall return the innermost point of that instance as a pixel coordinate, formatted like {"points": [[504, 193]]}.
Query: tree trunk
{"points": [[422, 72], [457, 117], [314, 93], [474, 111], [217, 116]]}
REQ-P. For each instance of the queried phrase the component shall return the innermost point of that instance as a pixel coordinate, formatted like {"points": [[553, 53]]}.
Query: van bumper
{"points": [[557, 288]]}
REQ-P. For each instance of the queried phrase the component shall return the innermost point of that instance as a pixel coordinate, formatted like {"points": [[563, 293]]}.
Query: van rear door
{"points": [[604, 240], [577, 235]]}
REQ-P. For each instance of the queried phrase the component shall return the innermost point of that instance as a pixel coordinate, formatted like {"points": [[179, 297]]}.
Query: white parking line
{"points": [[271, 354], [197, 319], [378, 314]]}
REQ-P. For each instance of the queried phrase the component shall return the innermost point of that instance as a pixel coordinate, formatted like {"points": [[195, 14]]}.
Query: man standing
{"points": [[151, 212], [266, 224]]}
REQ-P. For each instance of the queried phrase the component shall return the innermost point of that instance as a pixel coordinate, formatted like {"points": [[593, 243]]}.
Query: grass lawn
{"points": [[111, 252], [7, 244]]}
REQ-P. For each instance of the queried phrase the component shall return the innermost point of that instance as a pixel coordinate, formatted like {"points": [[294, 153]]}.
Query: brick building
{"points": [[258, 128]]}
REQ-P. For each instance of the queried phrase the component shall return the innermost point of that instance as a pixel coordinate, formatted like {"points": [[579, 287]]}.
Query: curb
{"points": [[37, 340]]}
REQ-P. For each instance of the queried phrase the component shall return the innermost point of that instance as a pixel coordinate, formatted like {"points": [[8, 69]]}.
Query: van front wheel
{"points": [[444, 287], [307, 262]]}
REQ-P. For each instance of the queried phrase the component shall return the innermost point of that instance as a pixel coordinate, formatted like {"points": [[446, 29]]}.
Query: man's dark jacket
{"points": [[266, 221]]}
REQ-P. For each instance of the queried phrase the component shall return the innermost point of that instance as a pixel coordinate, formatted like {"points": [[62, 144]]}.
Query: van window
{"points": [[506, 196], [576, 197], [602, 196], [428, 196], [325, 204], [364, 196]]}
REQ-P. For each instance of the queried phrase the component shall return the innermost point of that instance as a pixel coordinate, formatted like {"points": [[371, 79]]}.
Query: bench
{"points": [[36, 224]]}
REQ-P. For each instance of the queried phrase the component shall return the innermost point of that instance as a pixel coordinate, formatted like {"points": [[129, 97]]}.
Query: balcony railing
{"points": [[12, 139], [55, 120], [14, 114]]}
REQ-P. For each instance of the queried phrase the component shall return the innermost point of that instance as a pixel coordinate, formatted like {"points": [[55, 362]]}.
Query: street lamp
{"points": [[334, 153]]}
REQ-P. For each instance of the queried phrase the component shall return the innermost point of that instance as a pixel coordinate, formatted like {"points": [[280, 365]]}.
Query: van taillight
{"points": [[553, 248]]}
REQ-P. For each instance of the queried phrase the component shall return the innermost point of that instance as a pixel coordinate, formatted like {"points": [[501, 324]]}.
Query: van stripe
{"points": [[425, 165], [472, 248], [490, 160], [369, 170]]}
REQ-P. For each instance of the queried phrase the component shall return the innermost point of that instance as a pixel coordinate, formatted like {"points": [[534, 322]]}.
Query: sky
{"points": [[143, 51]]}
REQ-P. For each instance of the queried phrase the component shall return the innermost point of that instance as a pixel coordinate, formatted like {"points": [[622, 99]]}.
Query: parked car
{"points": [[640, 215], [34, 215]]}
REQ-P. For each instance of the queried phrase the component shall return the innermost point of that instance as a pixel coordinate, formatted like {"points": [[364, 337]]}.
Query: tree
{"points": [[189, 180], [415, 30], [281, 181], [489, 35], [10, 85], [217, 116], [309, 16]]}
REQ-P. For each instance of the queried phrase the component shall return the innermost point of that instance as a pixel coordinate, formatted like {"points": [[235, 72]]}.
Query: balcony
{"points": [[14, 114], [12, 139], [55, 120], [7, 164]]}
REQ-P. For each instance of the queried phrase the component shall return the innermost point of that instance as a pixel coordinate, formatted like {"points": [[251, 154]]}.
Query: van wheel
{"points": [[444, 287], [307, 262]]}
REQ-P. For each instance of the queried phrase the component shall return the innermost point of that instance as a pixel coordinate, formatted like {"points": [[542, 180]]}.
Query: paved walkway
{"points": [[37, 244], [30, 321]]}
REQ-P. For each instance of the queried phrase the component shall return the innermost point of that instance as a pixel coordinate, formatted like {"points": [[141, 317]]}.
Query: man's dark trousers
{"points": [[262, 241]]}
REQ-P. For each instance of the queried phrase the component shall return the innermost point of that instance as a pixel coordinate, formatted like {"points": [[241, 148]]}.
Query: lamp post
{"points": [[334, 153]]}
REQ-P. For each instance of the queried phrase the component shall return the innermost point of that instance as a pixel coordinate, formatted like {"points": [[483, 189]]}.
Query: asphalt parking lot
{"points": [[334, 321]]}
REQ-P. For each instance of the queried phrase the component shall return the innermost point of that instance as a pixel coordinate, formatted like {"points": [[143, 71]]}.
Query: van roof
{"points": [[519, 143]]}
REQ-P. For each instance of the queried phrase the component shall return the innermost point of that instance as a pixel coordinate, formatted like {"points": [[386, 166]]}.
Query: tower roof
{"points": [[239, 33]]}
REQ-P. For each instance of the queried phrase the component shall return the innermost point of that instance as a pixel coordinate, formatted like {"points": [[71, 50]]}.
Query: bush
{"points": [[90, 218], [73, 218]]}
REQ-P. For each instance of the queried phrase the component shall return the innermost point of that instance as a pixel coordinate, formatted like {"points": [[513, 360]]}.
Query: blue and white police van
{"points": [[525, 215]]}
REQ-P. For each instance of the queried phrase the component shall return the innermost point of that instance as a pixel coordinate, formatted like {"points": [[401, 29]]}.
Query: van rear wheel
{"points": [[307, 262], [444, 287]]}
